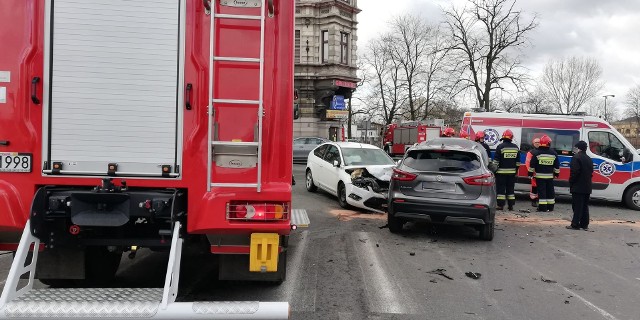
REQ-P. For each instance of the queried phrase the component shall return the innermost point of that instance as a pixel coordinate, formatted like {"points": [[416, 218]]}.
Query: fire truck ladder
{"points": [[231, 145], [22, 301]]}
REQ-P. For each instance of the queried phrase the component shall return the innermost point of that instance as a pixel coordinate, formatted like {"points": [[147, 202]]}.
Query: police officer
{"points": [[449, 132], [480, 140], [507, 159], [545, 167]]}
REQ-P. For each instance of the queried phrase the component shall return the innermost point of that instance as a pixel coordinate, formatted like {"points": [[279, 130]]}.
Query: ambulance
{"points": [[616, 163]]}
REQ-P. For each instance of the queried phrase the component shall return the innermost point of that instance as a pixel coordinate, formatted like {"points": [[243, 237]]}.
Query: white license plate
{"points": [[15, 162]]}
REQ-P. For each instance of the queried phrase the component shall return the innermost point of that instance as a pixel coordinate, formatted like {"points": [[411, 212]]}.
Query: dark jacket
{"points": [[507, 158], [486, 147], [581, 173], [544, 164]]}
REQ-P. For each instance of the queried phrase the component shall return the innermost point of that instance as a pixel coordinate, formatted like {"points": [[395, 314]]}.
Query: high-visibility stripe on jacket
{"points": [[545, 164], [507, 158]]}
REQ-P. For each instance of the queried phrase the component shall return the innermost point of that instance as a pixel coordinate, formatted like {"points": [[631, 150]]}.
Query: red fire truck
{"points": [[398, 137], [144, 124]]}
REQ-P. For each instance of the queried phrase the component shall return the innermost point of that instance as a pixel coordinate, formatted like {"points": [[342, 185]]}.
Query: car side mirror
{"points": [[336, 163]]}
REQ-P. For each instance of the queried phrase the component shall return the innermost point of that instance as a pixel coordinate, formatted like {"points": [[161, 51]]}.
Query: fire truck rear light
{"points": [[257, 211]]}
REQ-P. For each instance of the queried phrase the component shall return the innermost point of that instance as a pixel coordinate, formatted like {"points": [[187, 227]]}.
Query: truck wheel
{"points": [[486, 231], [311, 187], [101, 265], [632, 197]]}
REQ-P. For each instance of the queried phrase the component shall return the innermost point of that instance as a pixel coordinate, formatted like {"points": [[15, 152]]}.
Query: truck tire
{"points": [[311, 187], [632, 197]]}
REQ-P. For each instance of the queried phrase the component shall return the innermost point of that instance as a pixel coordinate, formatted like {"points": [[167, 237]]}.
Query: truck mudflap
{"points": [[25, 302]]}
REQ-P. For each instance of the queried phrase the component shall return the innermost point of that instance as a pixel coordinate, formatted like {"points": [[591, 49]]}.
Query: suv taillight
{"points": [[257, 211], [483, 180], [400, 175]]}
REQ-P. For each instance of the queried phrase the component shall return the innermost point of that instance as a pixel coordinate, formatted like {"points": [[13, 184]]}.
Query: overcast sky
{"points": [[606, 30]]}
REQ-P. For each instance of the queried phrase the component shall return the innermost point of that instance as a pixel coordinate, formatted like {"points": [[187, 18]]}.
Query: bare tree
{"points": [[407, 44], [633, 107], [437, 79], [386, 95], [571, 82], [484, 33]]}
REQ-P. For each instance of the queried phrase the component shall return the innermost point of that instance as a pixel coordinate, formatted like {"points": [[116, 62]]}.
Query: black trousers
{"points": [[546, 195], [505, 183], [580, 205]]}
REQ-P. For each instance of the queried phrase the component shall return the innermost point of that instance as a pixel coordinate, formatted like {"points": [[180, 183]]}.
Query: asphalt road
{"points": [[347, 265]]}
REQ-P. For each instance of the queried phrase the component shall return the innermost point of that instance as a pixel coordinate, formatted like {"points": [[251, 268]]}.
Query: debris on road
{"points": [[440, 272], [632, 244], [566, 302], [497, 289], [385, 226], [433, 281], [547, 280], [377, 245], [412, 254], [473, 275], [363, 240], [471, 313]]}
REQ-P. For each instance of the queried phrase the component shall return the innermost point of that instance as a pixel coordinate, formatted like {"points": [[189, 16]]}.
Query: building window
{"points": [[297, 53], [344, 48], [325, 46]]}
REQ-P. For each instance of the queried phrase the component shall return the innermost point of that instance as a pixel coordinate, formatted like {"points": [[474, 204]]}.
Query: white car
{"points": [[357, 173]]}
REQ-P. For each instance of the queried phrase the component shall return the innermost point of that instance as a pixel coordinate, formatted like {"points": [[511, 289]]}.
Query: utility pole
{"points": [[605, 105]]}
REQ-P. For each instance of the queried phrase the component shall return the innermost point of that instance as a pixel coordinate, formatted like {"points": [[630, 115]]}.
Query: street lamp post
{"points": [[605, 105]]}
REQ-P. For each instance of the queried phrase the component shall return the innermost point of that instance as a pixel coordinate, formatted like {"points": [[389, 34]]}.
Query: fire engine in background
{"points": [[616, 175], [398, 137], [144, 124]]}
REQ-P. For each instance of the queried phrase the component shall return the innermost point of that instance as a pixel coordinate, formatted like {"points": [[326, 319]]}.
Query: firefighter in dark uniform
{"points": [[545, 167], [507, 159], [480, 140]]}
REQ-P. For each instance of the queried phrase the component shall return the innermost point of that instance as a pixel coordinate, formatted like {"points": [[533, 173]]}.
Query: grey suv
{"points": [[445, 180]]}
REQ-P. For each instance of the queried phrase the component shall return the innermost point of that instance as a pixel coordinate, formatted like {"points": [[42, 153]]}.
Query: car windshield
{"points": [[361, 156], [442, 160]]}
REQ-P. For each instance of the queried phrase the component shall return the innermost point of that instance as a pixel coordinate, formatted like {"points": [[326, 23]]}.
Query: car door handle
{"points": [[34, 90], [4, 142]]}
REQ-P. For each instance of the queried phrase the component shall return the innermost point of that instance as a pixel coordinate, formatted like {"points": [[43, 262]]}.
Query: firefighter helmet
{"points": [[545, 141], [464, 134], [449, 132], [479, 135], [507, 134]]}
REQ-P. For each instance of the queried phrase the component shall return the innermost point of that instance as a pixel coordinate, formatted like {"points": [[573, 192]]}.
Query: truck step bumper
{"points": [[300, 218], [24, 302]]}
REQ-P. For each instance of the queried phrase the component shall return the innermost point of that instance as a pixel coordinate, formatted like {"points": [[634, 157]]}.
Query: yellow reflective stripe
{"points": [[506, 171], [511, 197], [544, 175], [542, 202], [509, 150], [531, 169], [551, 201], [556, 170], [501, 197]]}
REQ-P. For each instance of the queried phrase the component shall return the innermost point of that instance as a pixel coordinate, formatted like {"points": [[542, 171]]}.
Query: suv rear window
{"points": [[441, 160]]}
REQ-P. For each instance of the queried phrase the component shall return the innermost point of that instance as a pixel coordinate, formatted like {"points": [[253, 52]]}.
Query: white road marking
{"points": [[588, 303], [590, 263], [592, 306], [304, 286], [383, 290]]}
